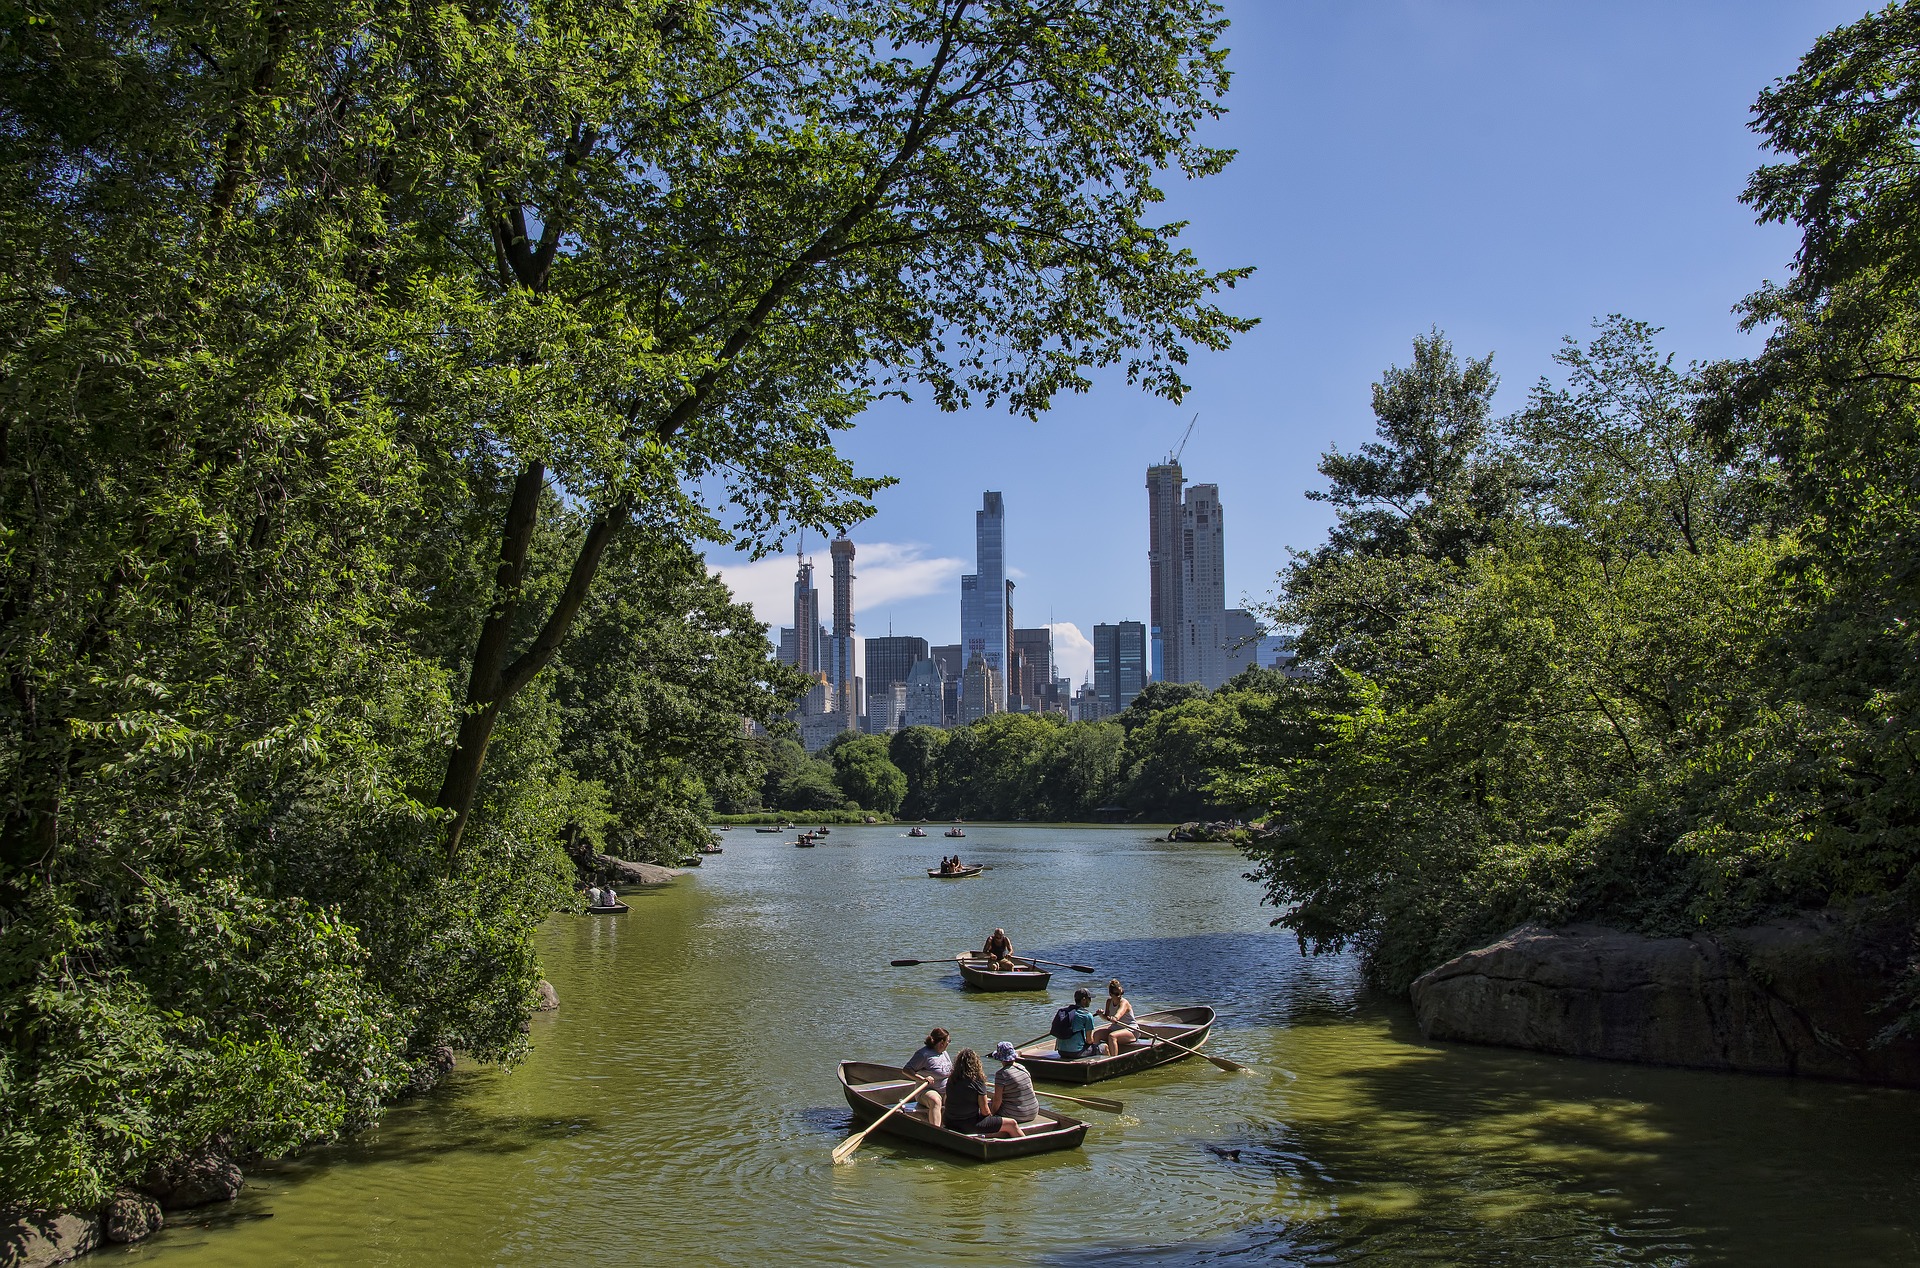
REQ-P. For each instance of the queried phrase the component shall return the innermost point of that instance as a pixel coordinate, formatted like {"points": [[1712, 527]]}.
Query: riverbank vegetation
{"points": [[372, 377], [1645, 652]]}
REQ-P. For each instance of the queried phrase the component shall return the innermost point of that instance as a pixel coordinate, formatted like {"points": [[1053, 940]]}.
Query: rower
{"points": [[999, 951]]}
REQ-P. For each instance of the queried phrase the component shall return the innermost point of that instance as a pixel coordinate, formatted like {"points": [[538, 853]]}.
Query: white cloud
{"points": [[883, 573], [1072, 653]]}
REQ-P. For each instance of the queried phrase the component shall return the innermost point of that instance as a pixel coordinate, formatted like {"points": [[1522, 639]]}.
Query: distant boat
{"points": [[954, 832], [973, 869], [918, 832], [613, 909], [774, 830]]}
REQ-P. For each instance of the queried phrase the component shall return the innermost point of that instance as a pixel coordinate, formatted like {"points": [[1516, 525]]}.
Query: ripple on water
{"points": [[681, 1105]]}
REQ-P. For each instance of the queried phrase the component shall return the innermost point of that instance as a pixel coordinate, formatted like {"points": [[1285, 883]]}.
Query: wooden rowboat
{"points": [[615, 910], [953, 832], [973, 968], [959, 875], [1186, 1026], [804, 843], [871, 1089]]}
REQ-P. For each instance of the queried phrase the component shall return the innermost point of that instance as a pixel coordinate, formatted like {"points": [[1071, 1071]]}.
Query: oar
{"points": [[844, 1150], [1222, 1062], [1097, 1102], [1077, 968]]}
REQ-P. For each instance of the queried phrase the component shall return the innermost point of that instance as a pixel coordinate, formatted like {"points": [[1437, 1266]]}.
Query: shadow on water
{"points": [[1395, 1150], [453, 1118]]}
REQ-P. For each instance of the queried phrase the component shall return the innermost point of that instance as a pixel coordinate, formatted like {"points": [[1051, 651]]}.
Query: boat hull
{"points": [[618, 909], [960, 875], [980, 978], [871, 1089], [1189, 1026]]}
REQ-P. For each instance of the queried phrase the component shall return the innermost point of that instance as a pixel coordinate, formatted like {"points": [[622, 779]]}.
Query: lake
{"points": [[680, 1106]]}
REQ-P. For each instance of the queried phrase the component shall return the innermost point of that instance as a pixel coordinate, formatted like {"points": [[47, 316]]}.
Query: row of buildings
{"points": [[999, 667]]}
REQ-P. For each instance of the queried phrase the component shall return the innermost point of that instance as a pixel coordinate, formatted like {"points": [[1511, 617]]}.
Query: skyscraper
{"points": [[809, 653], [1203, 588], [840, 664], [1033, 669], [891, 660], [1119, 664], [1165, 567], [985, 612], [926, 695]]}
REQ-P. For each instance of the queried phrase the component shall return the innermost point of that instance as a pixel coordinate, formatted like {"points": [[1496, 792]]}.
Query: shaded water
{"points": [[680, 1106]]}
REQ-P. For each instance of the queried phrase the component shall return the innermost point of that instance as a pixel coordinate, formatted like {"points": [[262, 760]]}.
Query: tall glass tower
{"points": [[986, 631], [1165, 572]]}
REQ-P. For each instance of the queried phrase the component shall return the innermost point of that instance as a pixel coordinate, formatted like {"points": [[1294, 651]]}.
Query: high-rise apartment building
{"points": [[1165, 568], [809, 646], [981, 691], [1244, 633], [926, 695], [1032, 671], [948, 657], [841, 652], [1203, 588], [890, 660], [985, 596], [1119, 664]]}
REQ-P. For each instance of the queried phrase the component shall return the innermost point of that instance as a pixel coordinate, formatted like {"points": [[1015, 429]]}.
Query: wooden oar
{"points": [[1140, 1032], [1077, 968], [844, 1150], [1097, 1102]]}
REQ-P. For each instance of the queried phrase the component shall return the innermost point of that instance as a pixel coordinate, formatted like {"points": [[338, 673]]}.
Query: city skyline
{"points": [[1506, 204]]}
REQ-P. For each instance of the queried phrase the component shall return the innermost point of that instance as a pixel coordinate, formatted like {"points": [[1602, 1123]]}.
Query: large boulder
{"points": [[130, 1216], [202, 1178], [1799, 995], [546, 999], [35, 1239], [609, 870]]}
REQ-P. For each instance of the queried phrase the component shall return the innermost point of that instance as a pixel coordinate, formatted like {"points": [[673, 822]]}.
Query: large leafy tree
{"points": [[342, 347]]}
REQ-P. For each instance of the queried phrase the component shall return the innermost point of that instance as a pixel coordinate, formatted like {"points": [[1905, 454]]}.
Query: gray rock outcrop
{"points": [[608, 869], [1799, 995], [130, 1216], [548, 998], [36, 1239], [205, 1177]]}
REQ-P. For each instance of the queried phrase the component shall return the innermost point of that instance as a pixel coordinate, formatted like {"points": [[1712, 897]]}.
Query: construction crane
{"points": [[1173, 459]]}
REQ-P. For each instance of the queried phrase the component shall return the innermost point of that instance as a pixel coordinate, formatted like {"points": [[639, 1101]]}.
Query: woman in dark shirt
{"points": [[969, 1100]]}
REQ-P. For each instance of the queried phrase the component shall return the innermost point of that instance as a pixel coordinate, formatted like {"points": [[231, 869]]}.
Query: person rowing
{"points": [[999, 952], [969, 1108], [1119, 1030]]}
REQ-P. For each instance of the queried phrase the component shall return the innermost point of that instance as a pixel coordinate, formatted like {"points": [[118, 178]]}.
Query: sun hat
{"points": [[1004, 1051]]}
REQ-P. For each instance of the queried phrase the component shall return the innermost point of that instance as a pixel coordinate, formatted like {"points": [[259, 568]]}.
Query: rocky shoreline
{"points": [[40, 1238], [1800, 995]]}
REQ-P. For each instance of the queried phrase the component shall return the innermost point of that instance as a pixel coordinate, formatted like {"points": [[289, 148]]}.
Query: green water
{"points": [[680, 1107]]}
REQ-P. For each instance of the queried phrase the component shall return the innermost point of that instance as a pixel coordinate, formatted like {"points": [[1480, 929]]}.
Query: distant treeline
{"points": [[1163, 759]]}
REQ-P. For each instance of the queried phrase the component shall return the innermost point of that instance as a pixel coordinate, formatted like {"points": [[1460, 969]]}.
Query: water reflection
{"points": [[681, 1104]]}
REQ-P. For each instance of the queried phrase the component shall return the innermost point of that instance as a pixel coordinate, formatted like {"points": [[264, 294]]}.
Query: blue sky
{"points": [[1506, 170]]}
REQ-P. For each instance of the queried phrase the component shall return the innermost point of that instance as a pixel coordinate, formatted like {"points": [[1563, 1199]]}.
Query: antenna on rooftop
{"points": [[1174, 457]]}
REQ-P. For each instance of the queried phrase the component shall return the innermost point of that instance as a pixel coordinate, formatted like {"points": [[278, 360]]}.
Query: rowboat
{"points": [[1188, 1027], [770, 830], [804, 843], [953, 832], [712, 849], [973, 968], [604, 910], [918, 832], [960, 875], [872, 1089]]}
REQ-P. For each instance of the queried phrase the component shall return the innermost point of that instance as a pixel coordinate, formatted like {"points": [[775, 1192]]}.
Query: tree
{"points": [[862, 770], [916, 751]]}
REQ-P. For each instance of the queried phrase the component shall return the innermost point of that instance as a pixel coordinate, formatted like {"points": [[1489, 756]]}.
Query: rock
{"points": [[38, 1238], [429, 1070], [1798, 995], [209, 1176], [549, 999], [623, 872], [130, 1217]]}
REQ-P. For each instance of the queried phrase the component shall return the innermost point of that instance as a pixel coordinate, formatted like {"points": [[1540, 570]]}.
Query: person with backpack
{"points": [[1072, 1028]]}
